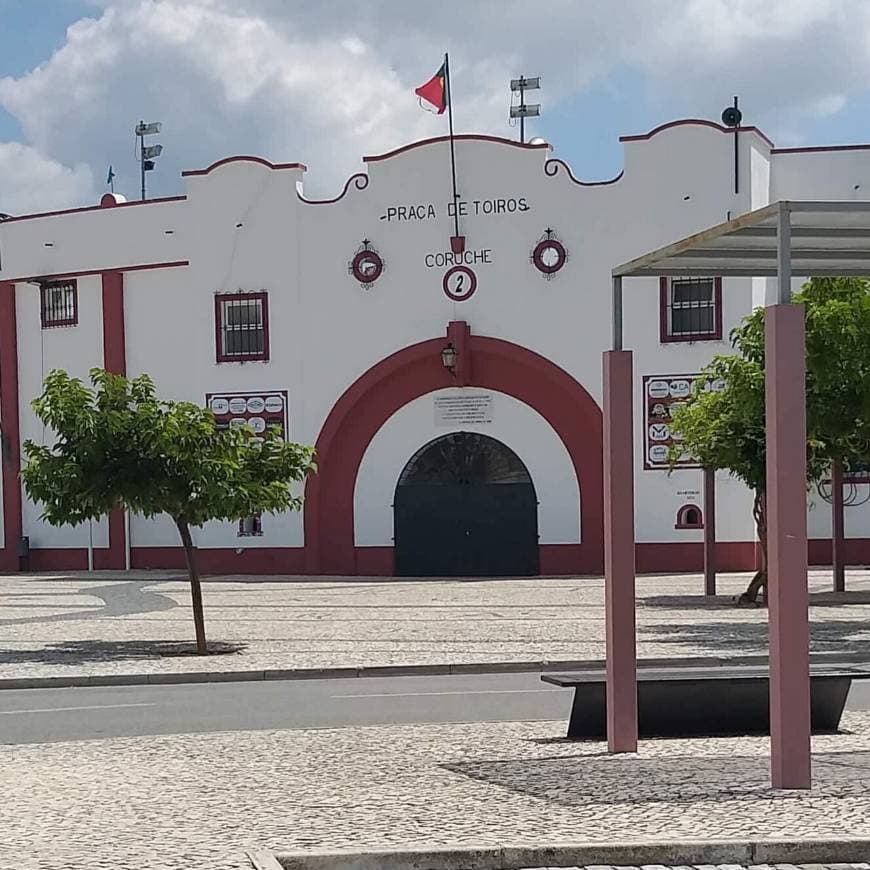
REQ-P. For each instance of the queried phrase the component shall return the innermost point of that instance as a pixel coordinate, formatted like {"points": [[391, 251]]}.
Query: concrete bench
{"points": [[705, 701]]}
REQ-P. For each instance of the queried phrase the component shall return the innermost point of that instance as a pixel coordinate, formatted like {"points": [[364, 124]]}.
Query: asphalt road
{"points": [[50, 715]]}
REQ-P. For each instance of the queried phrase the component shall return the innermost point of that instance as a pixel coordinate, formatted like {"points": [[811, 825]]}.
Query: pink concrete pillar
{"points": [[785, 404], [619, 553]]}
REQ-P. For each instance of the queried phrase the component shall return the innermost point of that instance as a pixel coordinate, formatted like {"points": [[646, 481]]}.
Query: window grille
{"points": [[242, 327], [251, 526], [58, 304], [691, 309]]}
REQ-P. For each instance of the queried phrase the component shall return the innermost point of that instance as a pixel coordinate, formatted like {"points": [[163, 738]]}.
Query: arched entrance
{"points": [[465, 506], [489, 363]]}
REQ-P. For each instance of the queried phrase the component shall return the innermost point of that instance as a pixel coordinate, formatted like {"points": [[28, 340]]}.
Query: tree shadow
{"points": [[716, 636], [588, 779], [119, 599], [718, 602], [78, 652]]}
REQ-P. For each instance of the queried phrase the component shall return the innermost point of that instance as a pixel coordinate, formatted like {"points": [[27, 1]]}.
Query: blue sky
{"points": [[30, 32], [300, 79]]}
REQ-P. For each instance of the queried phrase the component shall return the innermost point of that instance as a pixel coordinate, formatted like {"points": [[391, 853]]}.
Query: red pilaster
{"points": [[785, 403], [459, 335], [10, 440], [115, 361], [619, 562]]}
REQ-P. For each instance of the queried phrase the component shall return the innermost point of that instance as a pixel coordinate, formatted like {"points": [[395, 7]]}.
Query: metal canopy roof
{"points": [[827, 238]]}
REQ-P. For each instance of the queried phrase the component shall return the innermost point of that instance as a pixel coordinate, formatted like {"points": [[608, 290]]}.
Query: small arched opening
{"points": [[689, 516]]}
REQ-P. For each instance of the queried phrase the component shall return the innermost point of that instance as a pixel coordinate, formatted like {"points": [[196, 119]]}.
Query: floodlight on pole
{"points": [[147, 153], [524, 84], [524, 110]]}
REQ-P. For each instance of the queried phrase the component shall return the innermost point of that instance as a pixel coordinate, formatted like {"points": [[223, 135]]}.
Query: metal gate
{"points": [[466, 506]]}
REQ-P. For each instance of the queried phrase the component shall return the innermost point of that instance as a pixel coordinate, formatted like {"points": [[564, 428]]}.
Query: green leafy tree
{"points": [[725, 428], [119, 446]]}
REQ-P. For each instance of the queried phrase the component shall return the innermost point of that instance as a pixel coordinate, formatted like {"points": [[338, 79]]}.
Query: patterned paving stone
{"points": [[202, 800], [141, 623]]}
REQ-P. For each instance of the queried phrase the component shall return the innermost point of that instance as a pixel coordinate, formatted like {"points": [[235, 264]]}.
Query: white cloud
{"points": [[30, 180], [325, 83]]}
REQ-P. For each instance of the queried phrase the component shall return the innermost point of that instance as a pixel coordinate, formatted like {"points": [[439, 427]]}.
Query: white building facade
{"points": [[452, 386]]}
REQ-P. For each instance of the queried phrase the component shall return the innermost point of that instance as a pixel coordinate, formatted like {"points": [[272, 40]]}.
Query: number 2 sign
{"points": [[459, 283]]}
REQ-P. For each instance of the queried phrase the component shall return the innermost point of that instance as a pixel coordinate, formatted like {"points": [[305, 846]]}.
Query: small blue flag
{"points": [[111, 176]]}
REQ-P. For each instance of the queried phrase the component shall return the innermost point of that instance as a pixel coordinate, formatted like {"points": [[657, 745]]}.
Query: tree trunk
{"points": [[195, 587], [759, 581]]}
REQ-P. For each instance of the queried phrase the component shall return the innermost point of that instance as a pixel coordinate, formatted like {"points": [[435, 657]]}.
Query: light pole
{"points": [[524, 110], [147, 153]]}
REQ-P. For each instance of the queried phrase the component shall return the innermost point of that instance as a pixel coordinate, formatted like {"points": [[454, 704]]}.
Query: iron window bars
{"points": [[691, 309], [58, 304], [242, 326]]}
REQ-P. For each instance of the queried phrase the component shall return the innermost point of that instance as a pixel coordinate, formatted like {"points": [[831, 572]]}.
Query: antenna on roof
{"points": [[147, 153], [731, 117], [524, 110]]}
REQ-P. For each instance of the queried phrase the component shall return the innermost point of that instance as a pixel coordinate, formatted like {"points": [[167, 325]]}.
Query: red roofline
{"points": [[697, 122], [246, 158], [461, 137], [814, 149], [43, 214]]}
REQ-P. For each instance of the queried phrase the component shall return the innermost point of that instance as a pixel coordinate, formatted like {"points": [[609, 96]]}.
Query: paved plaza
{"points": [[200, 801], [141, 623]]}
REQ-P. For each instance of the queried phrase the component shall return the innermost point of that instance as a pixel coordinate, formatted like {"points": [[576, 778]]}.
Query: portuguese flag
{"points": [[433, 94]]}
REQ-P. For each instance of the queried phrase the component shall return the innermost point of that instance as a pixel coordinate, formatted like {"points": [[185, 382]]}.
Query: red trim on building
{"points": [[84, 208], [463, 137], [819, 149], [10, 431], [698, 122], [243, 158], [673, 556], [555, 559], [173, 264], [115, 361], [414, 371], [552, 166], [223, 560], [665, 335]]}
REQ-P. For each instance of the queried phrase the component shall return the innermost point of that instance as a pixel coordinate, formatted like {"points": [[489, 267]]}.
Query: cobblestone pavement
{"points": [[141, 623], [200, 801]]}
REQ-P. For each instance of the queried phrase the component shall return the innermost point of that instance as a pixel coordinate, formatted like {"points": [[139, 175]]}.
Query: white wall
{"points": [[74, 348], [245, 226]]}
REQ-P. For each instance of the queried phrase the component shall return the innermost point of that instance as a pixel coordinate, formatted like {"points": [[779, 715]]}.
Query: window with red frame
{"points": [[691, 309], [242, 326], [58, 303]]}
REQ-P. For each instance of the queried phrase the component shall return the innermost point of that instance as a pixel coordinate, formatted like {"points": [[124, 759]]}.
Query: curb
{"points": [[343, 673], [742, 852]]}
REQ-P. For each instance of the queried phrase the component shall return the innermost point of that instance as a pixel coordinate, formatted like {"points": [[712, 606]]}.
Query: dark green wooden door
{"points": [[466, 506]]}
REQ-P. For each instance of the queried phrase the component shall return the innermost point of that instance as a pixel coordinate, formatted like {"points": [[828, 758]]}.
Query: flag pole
{"points": [[452, 150]]}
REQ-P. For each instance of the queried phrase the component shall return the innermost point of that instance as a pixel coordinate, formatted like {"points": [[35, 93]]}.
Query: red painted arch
{"points": [[414, 371]]}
